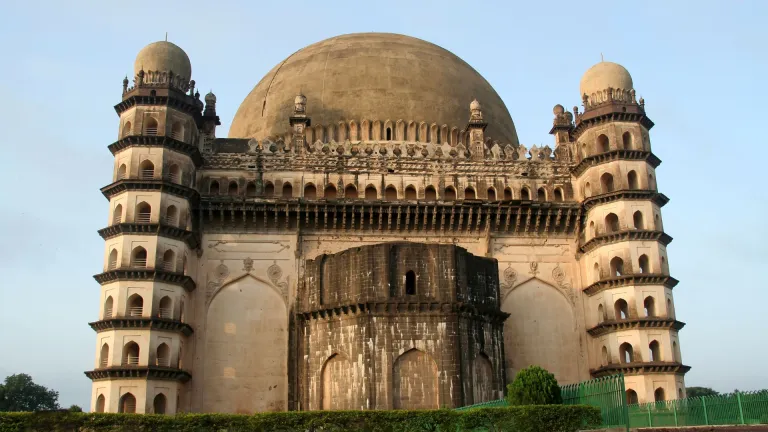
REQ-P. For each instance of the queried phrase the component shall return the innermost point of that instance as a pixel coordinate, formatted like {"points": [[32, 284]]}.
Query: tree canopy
{"points": [[700, 391], [534, 386], [20, 393]]}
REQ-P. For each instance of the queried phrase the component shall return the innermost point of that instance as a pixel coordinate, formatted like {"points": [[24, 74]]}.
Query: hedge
{"points": [[544, 418]]}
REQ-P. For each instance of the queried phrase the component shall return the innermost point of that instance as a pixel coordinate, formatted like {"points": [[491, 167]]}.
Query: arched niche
{"points": [[239, 374], [540, 331], [414, 381], [482, 379], [338, 391]]}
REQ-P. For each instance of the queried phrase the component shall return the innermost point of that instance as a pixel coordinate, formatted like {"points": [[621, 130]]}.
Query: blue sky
{"points": [[699, 66]]}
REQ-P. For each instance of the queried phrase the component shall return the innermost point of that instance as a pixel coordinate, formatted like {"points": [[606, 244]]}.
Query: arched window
{"points": [[122, 172], [604, 353], [330, 192], [389, 134], [658, 395], [269, 189], [104, 356], [139, 257], [350, 191], [507, 194], [150, 128], [159, 404], [450, 194], [146, 170], [524, 194], [675, 352], [657, 223], [654, 351], [165, 308], [410, 192], [611, 223], [600, 313], [131, 354], [430, 194], [670, 311], [213, 188], [143, 213], [643, 262], [310, 191], [592, 228], [606, 182], [135, 305], [169, 260], [559, 195], [541, 194], [637, 219], [632, 180], [126, 129], [596, 271], [172, 215], [469, 193], [127, 404], [410, 283], [174, 173], [603, 145], [177, 131], [163, 355], [370, 193], [651, 182], [112, 263], [232, 189], [617, 267], [287, 190], [664, 268], [649, 306], [108, 307], [587, 190], [626, 353], [390, 193], [250, 189], [626, 140], [100, 402], [631, 397], [621, 309], [117, 214], [491, 194]]}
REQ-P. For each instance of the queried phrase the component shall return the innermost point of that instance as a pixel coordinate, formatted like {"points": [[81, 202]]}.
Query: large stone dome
{"points": [[603, 75], [373, 76], [163, 56]]}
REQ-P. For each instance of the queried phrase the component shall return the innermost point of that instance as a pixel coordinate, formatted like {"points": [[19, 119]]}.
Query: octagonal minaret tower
{"points": [[150, 238], [629, 306]]}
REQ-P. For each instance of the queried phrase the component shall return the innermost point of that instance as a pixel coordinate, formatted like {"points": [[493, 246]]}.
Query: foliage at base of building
{"points": [[554, 418]]}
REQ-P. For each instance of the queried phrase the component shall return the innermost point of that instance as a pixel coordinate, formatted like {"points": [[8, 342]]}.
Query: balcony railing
{"points": [[117, 219], [166, 313], [151, 131], [173, 177], [112, 265], [136, 311], [139, 262], [144, 218], [103, 363], [107, 313], [121, 176], [177, 135], [147, 174], [167, 266], [164, 361], [131, 360], [170, 220]]}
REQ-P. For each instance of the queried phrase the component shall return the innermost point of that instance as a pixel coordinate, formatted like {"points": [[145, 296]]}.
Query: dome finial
{"points": [[476, 113], [299, 104]]}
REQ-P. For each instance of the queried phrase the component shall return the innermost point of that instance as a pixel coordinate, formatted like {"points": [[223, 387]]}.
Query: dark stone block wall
{"points": [[364, 342]]}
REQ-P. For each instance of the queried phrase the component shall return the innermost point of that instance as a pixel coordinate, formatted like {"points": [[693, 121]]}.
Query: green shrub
{"points": [[563, 418], [534, 386]]}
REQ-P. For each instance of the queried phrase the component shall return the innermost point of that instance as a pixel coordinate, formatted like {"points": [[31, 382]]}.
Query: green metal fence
{"points": [[606, 393], [725, 409]]}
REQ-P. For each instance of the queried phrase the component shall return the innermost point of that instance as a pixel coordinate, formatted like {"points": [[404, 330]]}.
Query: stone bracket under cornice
{"points": [[640, 368], [625, 235], [192, 239], [154, 185], [396, 308], [614, 155], [170, 101], [609, 113], [158, 141], [626, 194], [611, 326], [146, 274], [631, 280], [151, 323], [139, 372]]}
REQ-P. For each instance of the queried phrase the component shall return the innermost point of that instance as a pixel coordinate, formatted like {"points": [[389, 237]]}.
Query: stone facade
{"points": [[271, 272]]}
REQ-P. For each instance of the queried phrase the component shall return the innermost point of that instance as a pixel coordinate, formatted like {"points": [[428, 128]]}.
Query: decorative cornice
{"points": [[608, 113], [146, 274], [192, 239], [631, 280], [611, 326], [640, 368], [139, 372], [151, 323], [158, 141], [169, 100], [614, 155], [625, 235], [626, 194], [404, 308], [156, 185]]}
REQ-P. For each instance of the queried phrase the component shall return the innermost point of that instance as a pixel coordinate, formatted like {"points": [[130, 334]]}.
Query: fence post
{"points": [[674, 410], [741, 410], [704, 404], [650, 419]]}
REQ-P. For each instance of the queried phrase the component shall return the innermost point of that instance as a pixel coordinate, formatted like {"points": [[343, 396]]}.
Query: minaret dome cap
{"points": [[604, 75], [163, 56]]}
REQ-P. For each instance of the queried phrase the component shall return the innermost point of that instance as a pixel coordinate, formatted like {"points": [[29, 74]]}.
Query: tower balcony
{"points": [[624, 233], [626, 194], [134, 371], [162, 322], [155, 184], [631, 279], [165, 228], [615, 155], [135, 272], [640, 368], [166, 142], [611, 326]]}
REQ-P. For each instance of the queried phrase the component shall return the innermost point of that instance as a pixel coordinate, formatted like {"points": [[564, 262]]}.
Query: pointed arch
{"points": [[632, 180], [642, 262], [287, 190], [410, 192], [232, 190], [104, 355], [310, 191], [126, 129], [390, 193], [632, 397], [131, 354], [414, 381], [334, 393], [100, 404], [159, 404], [658, 395], [603, 144], [482, 379], [122, 172], [430, 194], [139, 257], [109, 305], [649, 306], [112, 261], [169, 260], [127, 404], [621, 309], [117, 214], [626, 140], [163, 355], [469, 193], [654, 351], [370, 193], [617, 267], [559, 195], [143, 213], [135, 305], [213, 187], [165, 308], [637, 220], [146, 170], [350, 191], [172, 215], [507, 194], [269, 189], [330, 192], [491, 194], [449, 194], [541, 194], [600, 313], [177, 131], [525, 194], [626, 353], [604, 355], [611, 223], [150, 127], [606, 182]]}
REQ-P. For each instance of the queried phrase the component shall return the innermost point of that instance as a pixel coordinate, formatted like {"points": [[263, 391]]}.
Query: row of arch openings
{"points": [[608, 185], [143, 214], [147, 172], [131, 353], [138, 259], [658, 395], [135, 307], [127, 404]]}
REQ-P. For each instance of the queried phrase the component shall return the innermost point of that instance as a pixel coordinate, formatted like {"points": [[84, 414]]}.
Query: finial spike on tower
{"points": [[166, 36], [601, 58]]}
